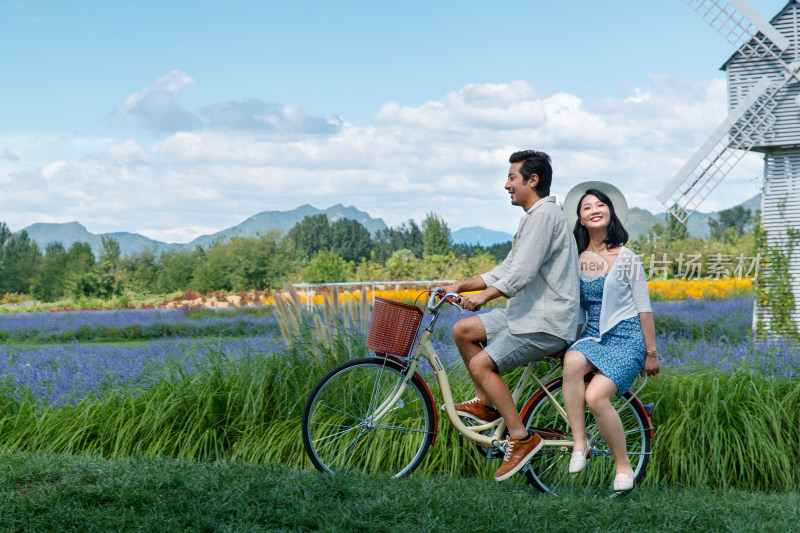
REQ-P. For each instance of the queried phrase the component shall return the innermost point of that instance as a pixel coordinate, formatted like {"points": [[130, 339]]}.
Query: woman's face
{"points": [[594, 214]]}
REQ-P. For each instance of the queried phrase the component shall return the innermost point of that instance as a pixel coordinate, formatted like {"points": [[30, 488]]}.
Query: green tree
{"points": [[350, 240], [141, 271], [214, 273], [675, 230], [79, 270], [5, 235], [107, 267], [175, 269], [327, 267], [49, 283], [499, 251], [262, 262], [669, 233], [80, 258], [20, 258], [311, 235], [730, 222], [435, 236], [402, 265], [406, 236]]}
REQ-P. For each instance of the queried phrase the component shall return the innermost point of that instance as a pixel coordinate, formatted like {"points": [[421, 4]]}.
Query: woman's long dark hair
{"points": [[617, 234]]}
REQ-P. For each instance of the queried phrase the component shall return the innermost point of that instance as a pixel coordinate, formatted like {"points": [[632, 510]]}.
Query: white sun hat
{"points": [[575, 194]]}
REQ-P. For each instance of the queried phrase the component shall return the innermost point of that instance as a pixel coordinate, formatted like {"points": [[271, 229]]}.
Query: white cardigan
{"points": [[624, 292]]}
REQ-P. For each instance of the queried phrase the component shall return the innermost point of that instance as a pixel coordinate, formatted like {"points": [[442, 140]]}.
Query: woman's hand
{"points": [[651, 366]]}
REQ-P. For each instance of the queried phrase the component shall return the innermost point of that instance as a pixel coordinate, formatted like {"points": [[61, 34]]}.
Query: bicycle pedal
{"points": [[525, 469], [493, 453]]}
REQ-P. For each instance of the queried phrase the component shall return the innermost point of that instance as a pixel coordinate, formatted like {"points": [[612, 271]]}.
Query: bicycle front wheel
{"points": [[348, 426], [549, 469]]}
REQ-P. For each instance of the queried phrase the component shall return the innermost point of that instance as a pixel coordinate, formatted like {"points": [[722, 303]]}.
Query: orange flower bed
{"points": [[680, 289]]}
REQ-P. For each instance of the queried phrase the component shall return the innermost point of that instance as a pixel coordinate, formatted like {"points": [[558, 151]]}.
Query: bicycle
{"points": [[377, 414]]}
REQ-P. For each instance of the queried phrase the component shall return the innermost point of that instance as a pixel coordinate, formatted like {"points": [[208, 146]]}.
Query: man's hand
{"points": [[473, 302], [450, 288]]}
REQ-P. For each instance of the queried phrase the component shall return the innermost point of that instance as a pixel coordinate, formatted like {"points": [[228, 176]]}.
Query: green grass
{"points": [[726, 429], [41, 492], [721, 430]]}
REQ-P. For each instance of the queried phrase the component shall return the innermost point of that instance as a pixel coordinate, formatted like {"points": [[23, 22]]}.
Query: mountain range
{"points": [[639, 221]]}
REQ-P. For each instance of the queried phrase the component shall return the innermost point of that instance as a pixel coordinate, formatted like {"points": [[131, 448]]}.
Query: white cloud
{"points": [[128, 151], [180, 235], [448, 155], [49, 171], [253, 113], [157, 108]]}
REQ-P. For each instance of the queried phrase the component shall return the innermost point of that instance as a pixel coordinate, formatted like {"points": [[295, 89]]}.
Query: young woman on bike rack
{"points": [[618, 341]]}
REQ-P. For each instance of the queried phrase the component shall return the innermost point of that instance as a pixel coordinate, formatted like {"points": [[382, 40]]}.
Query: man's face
{"points": [[522, 194]]}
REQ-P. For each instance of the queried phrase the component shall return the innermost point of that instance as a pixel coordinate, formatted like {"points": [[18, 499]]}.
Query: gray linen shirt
{"points": [[540, 274]]}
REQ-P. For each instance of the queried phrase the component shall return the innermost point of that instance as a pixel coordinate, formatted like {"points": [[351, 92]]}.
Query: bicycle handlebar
{"points": [[450, 297]]}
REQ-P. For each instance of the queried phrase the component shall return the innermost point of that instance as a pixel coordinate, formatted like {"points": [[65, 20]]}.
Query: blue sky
{"points": [[175, 119]]}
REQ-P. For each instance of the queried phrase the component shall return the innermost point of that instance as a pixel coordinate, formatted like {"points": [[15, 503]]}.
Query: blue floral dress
{"points": [[620, 353]]}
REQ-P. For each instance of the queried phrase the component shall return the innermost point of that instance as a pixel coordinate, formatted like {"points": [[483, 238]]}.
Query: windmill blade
{"points": [[742, 129], [736, 21]]}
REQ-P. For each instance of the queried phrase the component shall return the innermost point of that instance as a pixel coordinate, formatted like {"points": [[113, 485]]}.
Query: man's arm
{"points": [[473, 302], [533, 249]]}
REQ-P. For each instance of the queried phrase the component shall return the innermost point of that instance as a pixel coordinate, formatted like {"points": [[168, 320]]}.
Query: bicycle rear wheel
{"points": [[339, 429], [549, 469]]}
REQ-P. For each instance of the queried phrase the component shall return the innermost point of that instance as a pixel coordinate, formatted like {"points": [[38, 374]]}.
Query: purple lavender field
{"points": [[129, 324], [690, 333], [58, 373]]}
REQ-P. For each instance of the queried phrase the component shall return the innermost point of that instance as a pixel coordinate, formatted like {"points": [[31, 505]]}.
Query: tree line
{"points": [[315, 250]]}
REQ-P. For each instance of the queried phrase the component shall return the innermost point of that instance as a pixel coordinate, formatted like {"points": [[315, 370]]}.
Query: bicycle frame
{"points": [[424, 349]]}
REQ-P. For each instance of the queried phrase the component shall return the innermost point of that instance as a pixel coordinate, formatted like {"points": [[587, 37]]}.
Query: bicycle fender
{"points": [[424, 386]]}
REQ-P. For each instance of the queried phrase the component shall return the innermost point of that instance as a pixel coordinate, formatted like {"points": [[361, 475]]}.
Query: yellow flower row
{"points": [[680, 289], [671, 289]]}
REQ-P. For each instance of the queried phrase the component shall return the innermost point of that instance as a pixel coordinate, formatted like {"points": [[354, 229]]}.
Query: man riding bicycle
{"points": [[539, 277]]}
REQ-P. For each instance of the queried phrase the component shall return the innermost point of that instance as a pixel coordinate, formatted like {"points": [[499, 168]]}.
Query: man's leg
{"points": [[486, 378], [521, 445], [469, 336]]}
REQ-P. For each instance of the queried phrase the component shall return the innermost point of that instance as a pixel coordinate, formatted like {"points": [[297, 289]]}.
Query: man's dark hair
{"points": [[535, 163], [617, 234]]}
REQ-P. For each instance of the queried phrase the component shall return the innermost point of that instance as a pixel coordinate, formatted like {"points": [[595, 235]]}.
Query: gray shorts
{"points": [[507, 350]]}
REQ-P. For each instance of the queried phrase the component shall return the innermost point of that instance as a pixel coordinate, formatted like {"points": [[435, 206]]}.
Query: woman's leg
{"points": [[575, 367], [598, 398]]}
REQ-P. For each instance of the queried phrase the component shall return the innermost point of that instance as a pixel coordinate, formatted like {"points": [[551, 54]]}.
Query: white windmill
{"points": [[764, 116]]}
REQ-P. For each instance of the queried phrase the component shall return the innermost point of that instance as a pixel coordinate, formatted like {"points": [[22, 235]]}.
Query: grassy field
{"points": [[201, 432], [79, 493]]}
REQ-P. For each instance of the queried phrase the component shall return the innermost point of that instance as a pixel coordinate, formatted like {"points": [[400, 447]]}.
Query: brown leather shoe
{"points": [[518, 453], [476, 410]]}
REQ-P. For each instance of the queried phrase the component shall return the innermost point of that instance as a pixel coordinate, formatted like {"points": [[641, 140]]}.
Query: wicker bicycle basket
{"points": [[393, 327]]}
